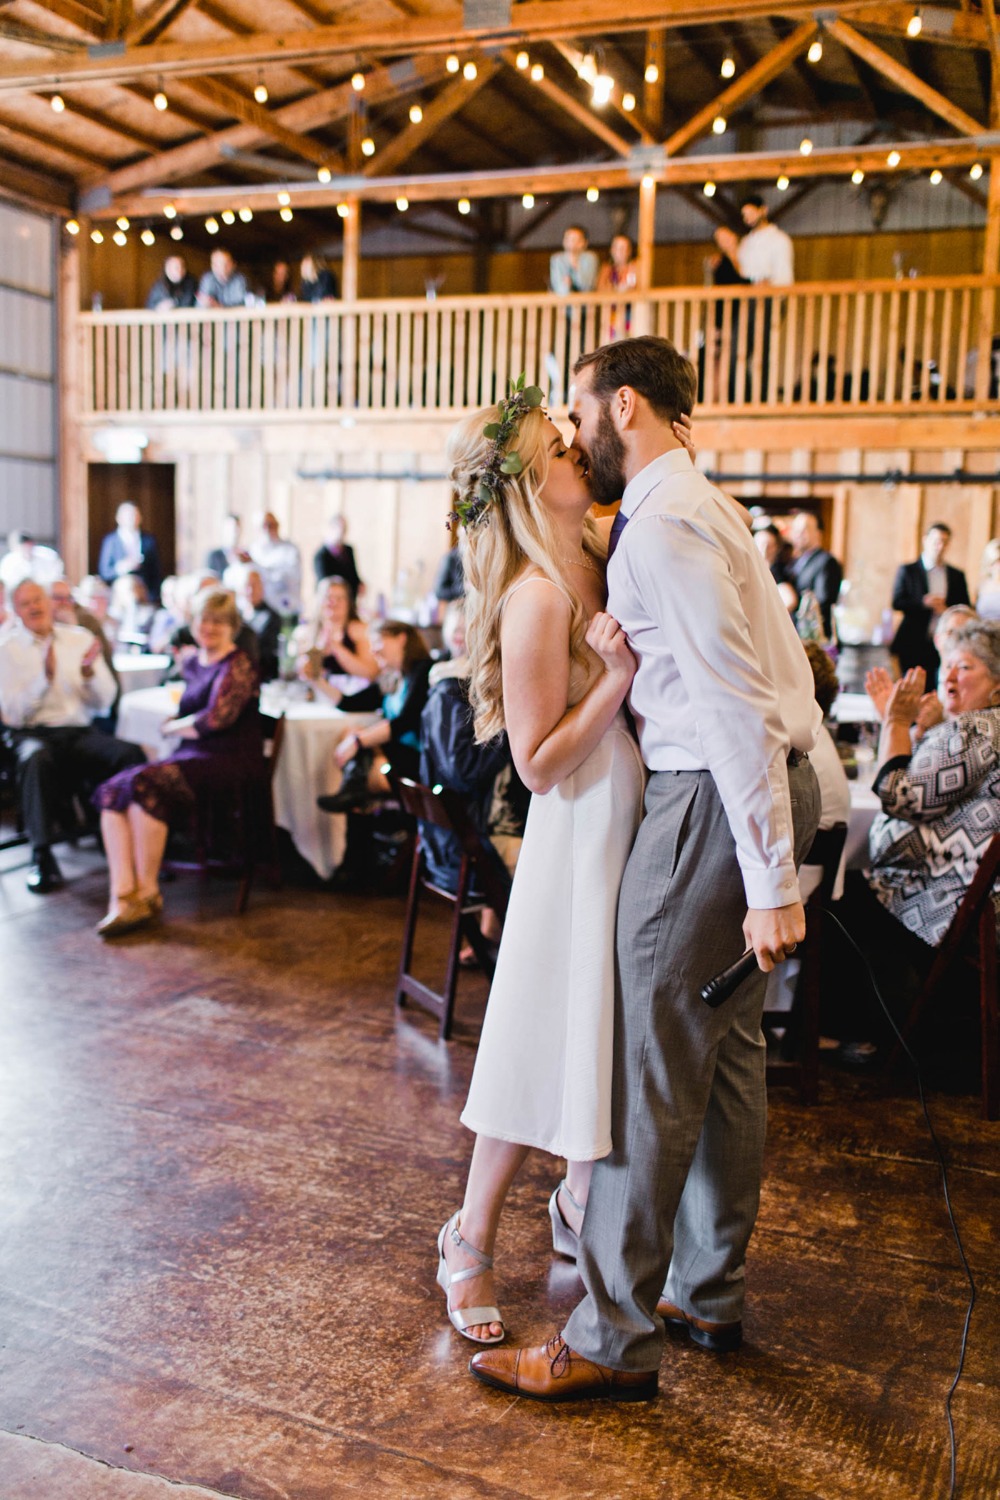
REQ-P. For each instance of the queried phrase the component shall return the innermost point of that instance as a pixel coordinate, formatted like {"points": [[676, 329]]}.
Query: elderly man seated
{"points": [[53, 681]]}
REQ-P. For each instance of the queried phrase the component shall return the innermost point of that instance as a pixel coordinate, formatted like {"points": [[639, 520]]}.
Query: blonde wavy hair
{"points": [[515, 532]]}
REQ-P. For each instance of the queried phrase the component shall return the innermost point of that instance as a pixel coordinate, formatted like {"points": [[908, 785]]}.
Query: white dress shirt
{"points": [[767, 254], [27, 697], [723, 683], [280, 567], [44, 566]]}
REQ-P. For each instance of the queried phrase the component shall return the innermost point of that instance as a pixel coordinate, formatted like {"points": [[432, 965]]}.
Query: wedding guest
{"points": [[66, 611], [317, 282], [222, 285], [923, 590], [128, 549], [620, 272], [26, 558], [218, 725], [812, 568], [168, 618], [339, 661], [279, 286], [248, 586], [230, 550], [335, 556], [130, 611], [280, 566], [93, 595], [988, 598], [174, 287], [574, 268]]}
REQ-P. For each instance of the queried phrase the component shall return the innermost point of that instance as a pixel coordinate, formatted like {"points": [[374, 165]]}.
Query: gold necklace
{"points": [[583, 561]]}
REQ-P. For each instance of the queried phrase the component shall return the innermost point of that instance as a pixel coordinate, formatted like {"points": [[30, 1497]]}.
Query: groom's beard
{"points": [[606, 460]]}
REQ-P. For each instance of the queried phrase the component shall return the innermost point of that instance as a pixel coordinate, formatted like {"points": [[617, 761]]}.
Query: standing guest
{"points": [[765, 254], [574, 268], [988, 598], [174, 287], [317, 282], [279, 287], [723, 702], [812, 567], [129, 549], [280, 566], [26, 558], [619, 273], [218, 726], [923, 590], [53, 681], [339, 660], [222, 285], [335, 556], [771, 546], [248, 586], [231, 550]]}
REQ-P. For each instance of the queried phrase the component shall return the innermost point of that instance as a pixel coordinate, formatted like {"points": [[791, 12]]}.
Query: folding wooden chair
{"points": [[482, 882], [971, 938], [800, 1069]]}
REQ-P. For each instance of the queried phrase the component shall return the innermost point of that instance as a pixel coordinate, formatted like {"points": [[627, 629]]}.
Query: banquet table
{"points": [[143, 669], [853, 708], [306, 767]]}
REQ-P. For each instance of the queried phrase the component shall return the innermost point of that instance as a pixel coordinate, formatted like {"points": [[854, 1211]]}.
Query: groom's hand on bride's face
{"points": [[774, 934]]}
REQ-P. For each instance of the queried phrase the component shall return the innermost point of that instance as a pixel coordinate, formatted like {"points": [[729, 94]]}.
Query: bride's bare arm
{"points": [[547, 740]]}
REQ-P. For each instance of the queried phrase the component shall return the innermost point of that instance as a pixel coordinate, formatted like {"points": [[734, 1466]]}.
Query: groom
{"points": [[724, 707]]}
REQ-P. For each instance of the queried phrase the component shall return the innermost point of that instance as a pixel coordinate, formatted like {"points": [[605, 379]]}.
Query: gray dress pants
{"points": [[674, 1205]]}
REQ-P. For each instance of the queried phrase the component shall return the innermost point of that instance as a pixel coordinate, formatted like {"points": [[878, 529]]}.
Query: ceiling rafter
{"points": [[575, 58], [902, 77], [117, 19], [571, 106], [453, 97], [155, 19], [13, 132], [263, 120]]}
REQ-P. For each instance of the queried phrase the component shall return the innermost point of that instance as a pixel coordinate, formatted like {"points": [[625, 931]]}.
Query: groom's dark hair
{"points": [[651, 366]]}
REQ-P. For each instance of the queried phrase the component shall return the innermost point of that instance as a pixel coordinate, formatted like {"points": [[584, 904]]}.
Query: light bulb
{"points": [[260, 93], [228, 217], [805, 146], [285, 214], [246, 215], [284, 199], [464, 206], [719, 125], [343, 210], [857, 177], [936, 177], [170, 212], [452, 63], [402, 204], [522, 60], [652, 73], [97, 237], [815, 52], [160, 100], [324, 174], [709, 189], [357, 82], [416, 114], [122, 222], [604, 86], [470, 71], [648, 181], [527, 200], [628, 103], [148, 237], [782, 184], [177, 232], [893, 159], [914, 25], [58, 103], [72, 226], [212, 226], [976, 171], [537, 72], [120, 237], [593, 194], [728, 67], [367, 146]]}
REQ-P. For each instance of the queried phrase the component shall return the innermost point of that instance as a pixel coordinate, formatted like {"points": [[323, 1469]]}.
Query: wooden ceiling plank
{"points": [[264, 121], [16, 133], [448, 102], [117, 19], [154, 20], [752, 82], [902, 77], [574, 108]]}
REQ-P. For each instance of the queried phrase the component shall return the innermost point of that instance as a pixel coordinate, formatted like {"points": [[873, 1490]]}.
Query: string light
{"points": [[72, 227], [857, 177], [527, 200], [593, 194], [402, 204], [212, 225], [522, 61], [228, 217], [177, 232], [324, 174], [936, 176], [470, 71], [416, 114], [728, 67], [343, 210], [537, 72], [246, 215], [170, 212], [893, 159], [367, 146], [976, 171], [357, 82], [452, 63], [260, 92], [815, 52], [805, 146], [160, 101], [628, 103], [652, 73], [782, 184], [464, 206], [122, 222], [285, 214], [604, 86], [58, 103], [148, 237], [648, 181], [709, 189], [914, 25], [97, 237], [284, 199], [719, 125], [120, 237]]}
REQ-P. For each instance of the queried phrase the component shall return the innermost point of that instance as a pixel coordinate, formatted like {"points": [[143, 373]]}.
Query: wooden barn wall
{"points": [[392, 491]]}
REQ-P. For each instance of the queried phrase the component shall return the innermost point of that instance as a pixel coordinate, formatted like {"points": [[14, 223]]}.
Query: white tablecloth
{"points": [[853, 708], [305, 770], [142, 670]]}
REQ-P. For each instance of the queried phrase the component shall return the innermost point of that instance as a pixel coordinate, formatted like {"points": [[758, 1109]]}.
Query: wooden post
{"points": [[642, 319], [987, 306], [352, 244], [72, 468]]}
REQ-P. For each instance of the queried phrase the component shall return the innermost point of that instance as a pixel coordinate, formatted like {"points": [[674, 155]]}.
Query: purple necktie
{"points": [[618, 526]]}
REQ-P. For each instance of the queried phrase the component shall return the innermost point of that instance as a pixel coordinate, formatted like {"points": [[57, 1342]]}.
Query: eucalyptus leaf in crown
{"points": [[501, 459]]}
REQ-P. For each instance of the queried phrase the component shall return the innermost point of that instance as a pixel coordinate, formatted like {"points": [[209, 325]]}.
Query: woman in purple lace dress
{"points": [[218, 726]]}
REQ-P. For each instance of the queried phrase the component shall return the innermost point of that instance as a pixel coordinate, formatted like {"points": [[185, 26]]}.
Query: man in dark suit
{"points": [[814, 568], [129, 549], [335, 558], [923, 590]]}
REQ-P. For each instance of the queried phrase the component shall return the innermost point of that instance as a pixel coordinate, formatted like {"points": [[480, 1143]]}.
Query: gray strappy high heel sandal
{"points": [[464, 1318], [565, 1240]]}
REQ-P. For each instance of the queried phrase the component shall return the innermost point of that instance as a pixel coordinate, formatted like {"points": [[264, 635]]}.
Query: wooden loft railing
{"points": [[922, 345]]}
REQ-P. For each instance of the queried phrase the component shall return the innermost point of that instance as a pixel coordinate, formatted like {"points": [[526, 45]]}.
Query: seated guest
{"points": [[182, 643], [231, 551], [174, 287], [218, 725], [248, 586], [941, 808], [335, 558], [26, 558], [401, 651], [339, 661], [167, 618], [878, 683], [66, 611], [53, 681], [130, 611], [93, 595], [130, 550], [988, 598]]}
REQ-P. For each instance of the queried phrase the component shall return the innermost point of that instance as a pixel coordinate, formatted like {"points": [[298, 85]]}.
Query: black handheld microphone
{"points": [[718, 990]]}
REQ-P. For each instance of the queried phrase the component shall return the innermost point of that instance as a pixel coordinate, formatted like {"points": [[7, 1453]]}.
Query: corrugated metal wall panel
{"points": [[28, 499], [26, 250], [26, 336], [26, 418]]}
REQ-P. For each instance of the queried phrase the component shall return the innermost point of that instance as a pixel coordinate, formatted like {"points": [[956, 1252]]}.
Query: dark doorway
{"points": [[150, 487]]}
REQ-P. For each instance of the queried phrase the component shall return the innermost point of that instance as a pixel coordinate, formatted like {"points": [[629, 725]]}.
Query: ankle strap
{"points": [[484, 1261]]}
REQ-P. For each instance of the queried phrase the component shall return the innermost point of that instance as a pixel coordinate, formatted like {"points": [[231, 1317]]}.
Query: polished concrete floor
{"points": [[223, 1163]]}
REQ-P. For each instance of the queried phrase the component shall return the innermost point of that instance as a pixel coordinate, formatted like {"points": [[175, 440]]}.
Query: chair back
{"points": [[972, 903], [444, 808]]}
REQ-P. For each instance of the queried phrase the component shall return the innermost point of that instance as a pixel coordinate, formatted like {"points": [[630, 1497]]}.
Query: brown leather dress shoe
{"points": [[718, 1338], [554, 1373]]}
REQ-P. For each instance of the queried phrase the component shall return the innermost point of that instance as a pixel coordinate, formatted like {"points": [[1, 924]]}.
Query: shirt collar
{"points": [[929, 566], [674, 461]]}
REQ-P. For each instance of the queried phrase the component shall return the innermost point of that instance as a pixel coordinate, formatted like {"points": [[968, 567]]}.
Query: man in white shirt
{"points": [[26, 558], [280, 566], [724, 708], [53, 681], [766, 254]]}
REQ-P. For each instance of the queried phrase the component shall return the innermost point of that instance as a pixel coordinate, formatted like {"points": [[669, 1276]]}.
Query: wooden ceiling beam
{"points": [[752, 82], [154, 20], [15, 134], [117, 19], [89, 18], [453, 97], [533, 20], [34, 189], [575, 57], [742, 167], [572, 107], [954, 28], [241, 107], [902, 77], [34, 36], [107, 121]]}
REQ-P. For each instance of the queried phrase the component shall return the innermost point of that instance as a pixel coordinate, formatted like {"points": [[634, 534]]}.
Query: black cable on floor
{"points": [[939, 1152]]}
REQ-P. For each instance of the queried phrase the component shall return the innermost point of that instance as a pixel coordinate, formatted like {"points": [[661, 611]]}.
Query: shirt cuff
{"points": [[768, 889]]}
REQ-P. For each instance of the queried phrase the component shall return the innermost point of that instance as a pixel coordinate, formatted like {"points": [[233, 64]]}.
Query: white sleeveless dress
{"points": [[543, 1070]]}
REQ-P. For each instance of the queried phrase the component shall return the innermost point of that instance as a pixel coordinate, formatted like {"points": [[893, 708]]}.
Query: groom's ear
{"points": [[624, 407]]}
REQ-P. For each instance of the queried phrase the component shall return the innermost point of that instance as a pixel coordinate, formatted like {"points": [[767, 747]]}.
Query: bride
{"points": [[553, 669]]}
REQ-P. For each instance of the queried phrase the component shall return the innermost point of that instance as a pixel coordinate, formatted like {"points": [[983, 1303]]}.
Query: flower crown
{"points": [[501, 459]]}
